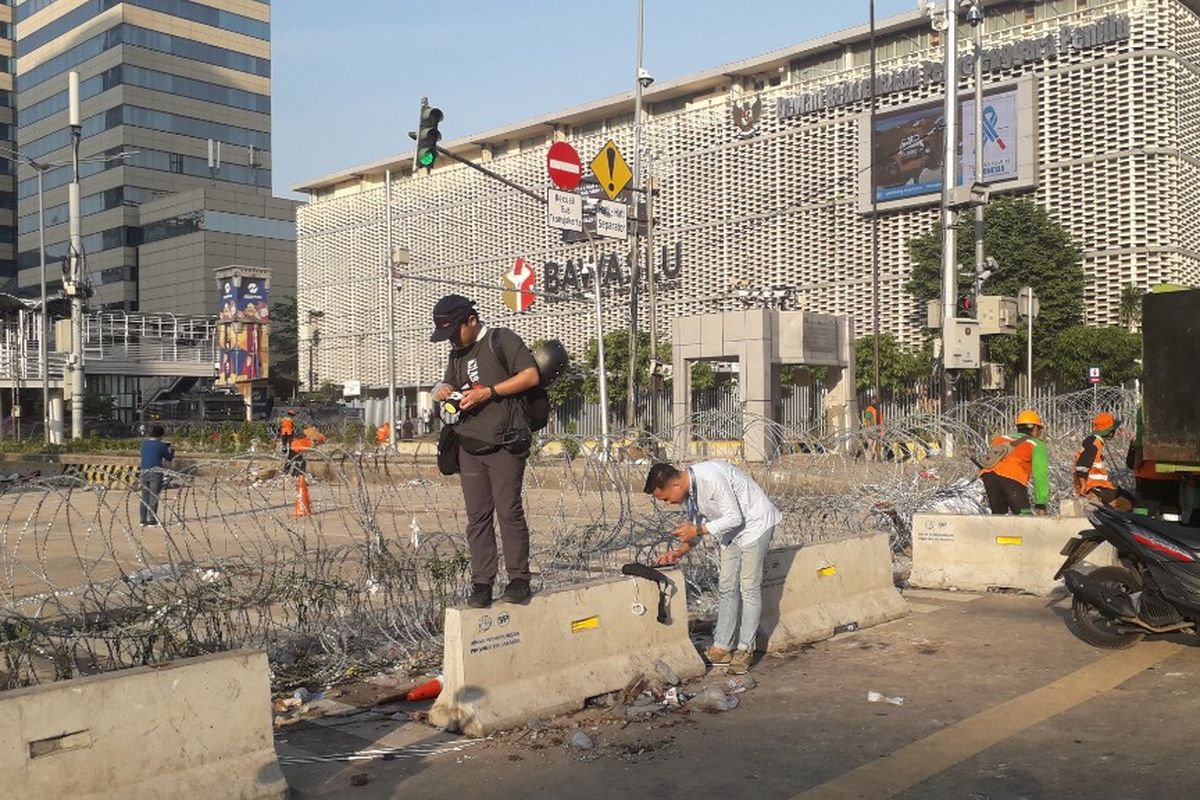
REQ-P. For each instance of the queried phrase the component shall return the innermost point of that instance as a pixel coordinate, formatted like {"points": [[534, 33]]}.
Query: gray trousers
{"points": [[491, 485], [152, 481]]}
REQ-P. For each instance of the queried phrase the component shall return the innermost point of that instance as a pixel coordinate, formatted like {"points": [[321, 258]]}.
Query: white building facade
{"points": [[1092, 110]]}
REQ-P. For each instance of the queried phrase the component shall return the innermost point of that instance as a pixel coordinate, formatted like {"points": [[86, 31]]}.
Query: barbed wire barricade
{"points": [[359, 581]]}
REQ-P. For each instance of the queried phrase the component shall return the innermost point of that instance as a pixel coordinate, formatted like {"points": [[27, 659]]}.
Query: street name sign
{"points": [[612, 220], [564, 210]]}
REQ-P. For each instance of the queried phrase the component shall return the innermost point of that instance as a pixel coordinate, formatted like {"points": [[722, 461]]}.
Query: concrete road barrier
{"points": [[810, 591], [981, 552], [509, 664], [199, 727]]}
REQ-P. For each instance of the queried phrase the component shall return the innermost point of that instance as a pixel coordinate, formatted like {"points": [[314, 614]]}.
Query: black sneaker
{"points": [[517, 591], [481, 595]]}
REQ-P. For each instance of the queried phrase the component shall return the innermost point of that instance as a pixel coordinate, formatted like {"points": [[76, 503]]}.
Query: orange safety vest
{"points": [[1017, 465], [871, 416], [287, 427], [1094, 476]]}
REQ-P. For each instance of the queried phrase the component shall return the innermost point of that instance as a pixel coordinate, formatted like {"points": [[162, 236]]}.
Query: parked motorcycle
{"points": [[1155, 590]]}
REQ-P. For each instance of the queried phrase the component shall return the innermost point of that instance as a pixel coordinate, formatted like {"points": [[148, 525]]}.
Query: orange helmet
{"points": [[1030, 417], [1105, 423]]}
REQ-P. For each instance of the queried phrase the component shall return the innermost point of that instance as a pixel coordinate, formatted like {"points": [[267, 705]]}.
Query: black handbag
{"points": [[448, 451]]}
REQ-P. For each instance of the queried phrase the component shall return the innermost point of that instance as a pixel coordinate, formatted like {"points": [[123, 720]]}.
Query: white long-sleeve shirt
{"points": [[729, 504]]}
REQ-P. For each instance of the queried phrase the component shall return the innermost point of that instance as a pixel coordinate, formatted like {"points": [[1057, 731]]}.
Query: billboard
{"points": [[905, 167], [243, 330], [907, 161]]}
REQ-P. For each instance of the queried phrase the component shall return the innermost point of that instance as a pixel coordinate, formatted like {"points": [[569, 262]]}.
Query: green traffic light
{"points": [[427, 158]]}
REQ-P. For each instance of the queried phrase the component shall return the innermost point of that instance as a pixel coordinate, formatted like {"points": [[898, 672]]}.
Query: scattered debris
{"points": [[713, 700], [876, 697], [581, 741], [668, 675], [740, 683]]}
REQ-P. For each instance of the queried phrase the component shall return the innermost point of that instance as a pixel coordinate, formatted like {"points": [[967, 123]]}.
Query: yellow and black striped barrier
{"points": [[109, 476]]}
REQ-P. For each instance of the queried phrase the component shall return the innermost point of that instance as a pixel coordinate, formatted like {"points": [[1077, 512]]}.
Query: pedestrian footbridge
{"points": [[114, 343]]}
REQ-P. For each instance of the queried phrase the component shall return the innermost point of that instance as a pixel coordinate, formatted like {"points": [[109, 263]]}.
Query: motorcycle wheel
{"points": [[1096, 629]]}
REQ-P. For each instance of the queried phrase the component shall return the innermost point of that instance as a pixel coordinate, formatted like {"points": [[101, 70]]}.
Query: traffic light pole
{"points": [[604, 435]]}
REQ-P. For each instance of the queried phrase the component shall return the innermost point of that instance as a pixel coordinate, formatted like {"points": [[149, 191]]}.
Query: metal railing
{"points": [[112, 342]]}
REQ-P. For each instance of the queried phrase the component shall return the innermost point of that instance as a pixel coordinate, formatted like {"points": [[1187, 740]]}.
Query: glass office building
{"points": [[161, 83]]}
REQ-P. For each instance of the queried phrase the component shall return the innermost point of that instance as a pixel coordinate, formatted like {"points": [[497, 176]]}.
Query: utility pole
{"points": [[74, 282], [949, 215], [874, 225], [652, 311], [975, 18], [391, 313], [641, 80]]}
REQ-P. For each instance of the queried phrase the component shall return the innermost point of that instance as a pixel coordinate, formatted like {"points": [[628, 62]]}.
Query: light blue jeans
{"points": [[741, 589]]}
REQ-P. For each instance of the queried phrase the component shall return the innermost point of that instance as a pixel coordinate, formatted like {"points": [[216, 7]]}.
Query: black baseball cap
{"points": [[448, 314]]}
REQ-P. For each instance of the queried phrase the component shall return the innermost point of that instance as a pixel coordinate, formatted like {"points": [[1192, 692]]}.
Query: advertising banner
{"points": [[243, 331], [1000, 137], [910, 143]]}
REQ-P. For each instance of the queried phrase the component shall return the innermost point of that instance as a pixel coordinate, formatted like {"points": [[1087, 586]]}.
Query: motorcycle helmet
{"points": [[552, 361]]}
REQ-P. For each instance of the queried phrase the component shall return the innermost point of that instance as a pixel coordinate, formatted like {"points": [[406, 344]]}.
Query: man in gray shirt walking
{"points": [[725, 503]]}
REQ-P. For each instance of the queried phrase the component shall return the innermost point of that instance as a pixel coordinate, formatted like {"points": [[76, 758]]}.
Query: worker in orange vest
{"points": [[1013, 461], [1092, 478], [872, 422], [287, 430]]}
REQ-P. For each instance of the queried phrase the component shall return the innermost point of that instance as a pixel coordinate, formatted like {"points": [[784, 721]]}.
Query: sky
{"points": [[348, 77]]}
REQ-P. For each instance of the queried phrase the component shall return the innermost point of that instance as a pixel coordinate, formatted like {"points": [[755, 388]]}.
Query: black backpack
{"points": [[535, 400]]}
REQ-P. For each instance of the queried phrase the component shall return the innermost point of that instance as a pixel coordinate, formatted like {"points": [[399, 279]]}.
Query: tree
{"points": [[1131, 306], [285, 341], [898, 366], [1031, 249], [1116, 351], [616, 360]]}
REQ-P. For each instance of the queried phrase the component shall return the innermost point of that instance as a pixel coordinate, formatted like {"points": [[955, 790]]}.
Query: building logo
{"points": [[485, 622], [746, 115]]}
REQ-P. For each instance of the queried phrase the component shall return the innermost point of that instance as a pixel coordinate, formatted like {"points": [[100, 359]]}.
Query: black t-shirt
{"points": [[483, 364]]}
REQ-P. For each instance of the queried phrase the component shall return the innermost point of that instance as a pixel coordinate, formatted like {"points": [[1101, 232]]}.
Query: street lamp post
{"points": [[642, 80]]}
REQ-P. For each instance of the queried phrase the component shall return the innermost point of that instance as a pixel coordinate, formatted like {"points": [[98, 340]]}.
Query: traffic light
{"points": [[427, 136], [966, 306]]}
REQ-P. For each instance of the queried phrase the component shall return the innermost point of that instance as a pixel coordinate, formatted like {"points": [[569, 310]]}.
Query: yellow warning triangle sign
{"points": [[610, 169]]}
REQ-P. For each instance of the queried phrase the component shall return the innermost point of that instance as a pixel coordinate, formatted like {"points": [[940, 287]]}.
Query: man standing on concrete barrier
{"points": [[725, 503], [155, 455], [488, 370], [1012, 462]]}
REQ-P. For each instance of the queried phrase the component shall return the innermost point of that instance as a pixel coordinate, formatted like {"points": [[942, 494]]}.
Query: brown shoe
{"points": [[717, 655], [739, 662]]}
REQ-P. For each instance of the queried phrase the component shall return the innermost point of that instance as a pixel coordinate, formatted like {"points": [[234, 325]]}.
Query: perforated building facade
{"points": [[761, 170]]}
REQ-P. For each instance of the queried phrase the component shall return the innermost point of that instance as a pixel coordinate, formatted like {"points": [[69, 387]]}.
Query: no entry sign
{"points": [[564, 166]]}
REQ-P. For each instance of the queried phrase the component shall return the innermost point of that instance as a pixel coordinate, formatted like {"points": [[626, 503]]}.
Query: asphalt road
{"points": [[1000, 702]]}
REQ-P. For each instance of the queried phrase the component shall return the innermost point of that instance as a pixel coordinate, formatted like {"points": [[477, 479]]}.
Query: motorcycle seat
{"points": [[1188, 537]]}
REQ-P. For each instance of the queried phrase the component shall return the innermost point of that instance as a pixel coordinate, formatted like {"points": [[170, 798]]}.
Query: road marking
{"points": [[914, 763]]}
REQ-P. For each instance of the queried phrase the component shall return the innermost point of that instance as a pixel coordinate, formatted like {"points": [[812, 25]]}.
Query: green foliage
{"points": [[704, 377], [1031, 249], [1131, 306], [616, 361], [285, 342], [899, 367], [1116, 351]]}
